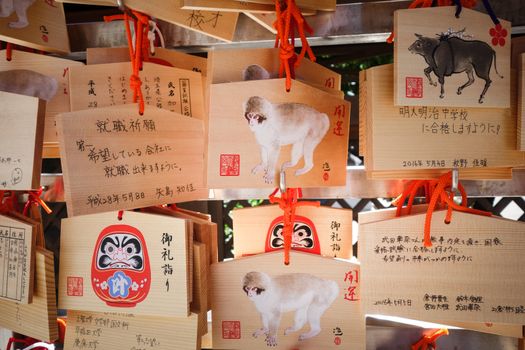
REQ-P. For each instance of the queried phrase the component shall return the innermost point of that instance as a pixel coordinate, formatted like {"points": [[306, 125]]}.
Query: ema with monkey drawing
{"points": [[20, 7], [309, 296], [281, 124]]}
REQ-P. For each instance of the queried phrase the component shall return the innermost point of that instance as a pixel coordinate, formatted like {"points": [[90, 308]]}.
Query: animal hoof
{"points": [[433, 84], [441, 96], [459, 92], [480, 101]]}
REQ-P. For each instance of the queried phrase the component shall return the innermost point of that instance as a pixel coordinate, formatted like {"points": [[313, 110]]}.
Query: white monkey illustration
{"points": [[7, 7], [276, 125], [309, 296]]}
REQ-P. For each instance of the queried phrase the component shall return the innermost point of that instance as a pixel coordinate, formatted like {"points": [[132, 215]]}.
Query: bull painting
{"points": [[447, 55]]}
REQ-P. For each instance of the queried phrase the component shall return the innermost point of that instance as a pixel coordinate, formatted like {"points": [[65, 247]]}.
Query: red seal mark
{"points": [[326, 176], [414, 87], [337, 341], [230, 164], [231, 330], [75, 286]]}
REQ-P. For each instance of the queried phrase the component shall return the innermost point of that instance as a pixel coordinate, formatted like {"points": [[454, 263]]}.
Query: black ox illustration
{"points": [[447, 55]]}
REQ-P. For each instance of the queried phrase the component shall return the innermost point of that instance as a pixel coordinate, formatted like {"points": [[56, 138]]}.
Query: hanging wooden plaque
{"points": [[38, 319], [204, 231], [225, 66], [136, 161], [217, 24], [17, 262], [250, 121], [201, 271], [319, 296], [506, 330], [103, 85], [139, 263], [470, 274], [317, 230], [38, 24], [434, 138], [170, 58], [50, 76], [266, 20], [21, 132], [441, 60], [227, 5], [521, 105], [98, 330]]}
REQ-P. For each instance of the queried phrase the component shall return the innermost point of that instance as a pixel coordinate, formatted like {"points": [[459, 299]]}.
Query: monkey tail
{"points": [[495, 65]]}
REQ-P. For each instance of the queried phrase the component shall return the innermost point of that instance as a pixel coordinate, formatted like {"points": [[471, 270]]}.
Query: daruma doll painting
{"points": [[120, 271]]}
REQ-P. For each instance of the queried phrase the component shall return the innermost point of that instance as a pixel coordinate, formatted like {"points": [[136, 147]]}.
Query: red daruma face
{"points": [[120, 271]]}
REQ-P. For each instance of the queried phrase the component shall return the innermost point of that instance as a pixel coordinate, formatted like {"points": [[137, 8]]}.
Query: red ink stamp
{"points": [[337, 341], [230, 164], [75, 286], [414, 87], [231, 330]]}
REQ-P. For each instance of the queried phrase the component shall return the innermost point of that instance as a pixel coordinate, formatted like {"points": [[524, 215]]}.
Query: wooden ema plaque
{"points": [[506, 330], [470, 274], [38, 24], [38, 319], [227, 5], [17, 262], [317, 230], [217, 24], [433, 138], [96, 330], [138, 264], [170, 58], [237, 6], [136, 161], [251, 120], [226, 66], [51, 77], [103, 85], [201, 271], [21, 131], [441, 60], [205, 233], [521, 105], [320, 296], [266, 20]]}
